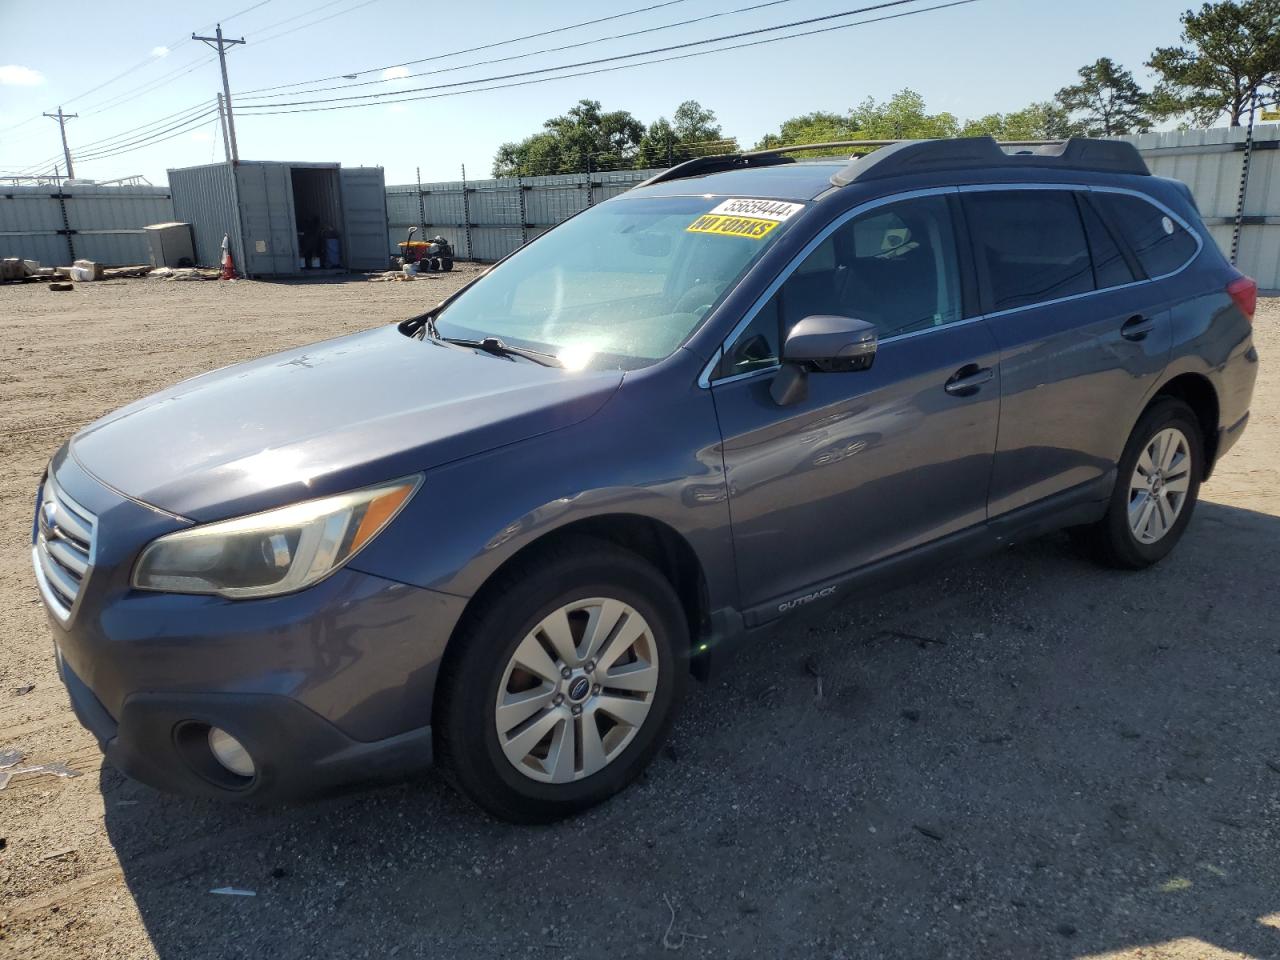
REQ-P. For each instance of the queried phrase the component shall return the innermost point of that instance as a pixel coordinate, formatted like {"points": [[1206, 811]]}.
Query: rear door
{"points": [[1081, 338], [870, 463], [364, 218]]}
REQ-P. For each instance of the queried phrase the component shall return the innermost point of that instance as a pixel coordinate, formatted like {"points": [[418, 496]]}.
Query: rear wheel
{"points": [[1157, 486], [563, 686]]}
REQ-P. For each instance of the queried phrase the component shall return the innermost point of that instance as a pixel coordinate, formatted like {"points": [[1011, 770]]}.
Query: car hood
{"points": [[325, 418]]}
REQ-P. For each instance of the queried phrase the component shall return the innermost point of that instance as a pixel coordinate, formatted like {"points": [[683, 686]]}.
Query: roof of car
{"points": [[772, 174], [786, 181]]}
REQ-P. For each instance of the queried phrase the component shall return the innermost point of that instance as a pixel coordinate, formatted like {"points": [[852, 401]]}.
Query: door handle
{"points": [[966, 381], [1137, 327]]}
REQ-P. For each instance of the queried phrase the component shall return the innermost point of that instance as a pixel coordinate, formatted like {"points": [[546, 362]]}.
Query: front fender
{"points": [[653, 451]]}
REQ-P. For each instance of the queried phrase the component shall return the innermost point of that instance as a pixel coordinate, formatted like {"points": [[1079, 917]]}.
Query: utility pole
{"points": [[62, 119], [222, 119], [219, 43]]}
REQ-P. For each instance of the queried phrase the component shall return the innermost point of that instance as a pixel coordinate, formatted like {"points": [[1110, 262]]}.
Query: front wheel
{"points": [[1157, 485], [562, 687]]}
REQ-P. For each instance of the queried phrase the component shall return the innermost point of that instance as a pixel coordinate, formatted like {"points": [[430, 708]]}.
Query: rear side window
{"points": [[1161, 244], [1030, 244], [1110, 268]]}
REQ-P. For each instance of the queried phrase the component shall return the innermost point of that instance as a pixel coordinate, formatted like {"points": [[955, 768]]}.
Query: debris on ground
{"points": [[683, 935], [398, 275], [933, 833], [58, 854], [234, 892], [9, 760], [23, 690], [182, 273], [117, 273], [59, 286]]}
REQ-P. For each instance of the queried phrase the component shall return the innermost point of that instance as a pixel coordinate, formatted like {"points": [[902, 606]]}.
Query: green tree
{"points": [[692, 132], [585, 134], [1231, 54], [901, 117], [1107, 100], [1039, 121], [818, 127]]}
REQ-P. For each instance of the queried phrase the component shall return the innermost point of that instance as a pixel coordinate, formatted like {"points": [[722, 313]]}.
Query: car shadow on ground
{"points": [[1026, 756]]}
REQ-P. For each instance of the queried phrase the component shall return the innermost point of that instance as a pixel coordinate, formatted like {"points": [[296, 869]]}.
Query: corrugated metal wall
{"points": [[104, 222], [205, 198], [492, 207], [1210, 163]]}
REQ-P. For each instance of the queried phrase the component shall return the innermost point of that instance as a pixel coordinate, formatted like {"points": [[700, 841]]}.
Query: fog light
{"points": [[230, 752]]}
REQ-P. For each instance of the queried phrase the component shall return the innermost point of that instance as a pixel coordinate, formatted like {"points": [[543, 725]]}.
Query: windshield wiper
{"points": [[499, 349]]}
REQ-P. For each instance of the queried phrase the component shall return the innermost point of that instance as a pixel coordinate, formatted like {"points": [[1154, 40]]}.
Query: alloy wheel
{"points": [[577, 690], [1159, 485]]}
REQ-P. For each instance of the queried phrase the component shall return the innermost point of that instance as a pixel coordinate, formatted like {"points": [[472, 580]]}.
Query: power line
{"points": [[531, 53], [454, 53], [590, 63], [157, 136], [312, 23], [257, 111], [114, 139], [143, 89]]}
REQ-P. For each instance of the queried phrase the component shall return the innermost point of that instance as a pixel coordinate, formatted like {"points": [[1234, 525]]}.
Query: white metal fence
{"points": [[487, 219], [1211, 163], [58, 224]]}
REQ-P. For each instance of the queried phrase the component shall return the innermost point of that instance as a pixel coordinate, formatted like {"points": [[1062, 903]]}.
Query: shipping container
{"points": [[285, 219]]}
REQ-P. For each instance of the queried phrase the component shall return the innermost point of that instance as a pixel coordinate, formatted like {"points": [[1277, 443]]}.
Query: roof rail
{"points": [[728, 161], [892, 158], [969, 153]]}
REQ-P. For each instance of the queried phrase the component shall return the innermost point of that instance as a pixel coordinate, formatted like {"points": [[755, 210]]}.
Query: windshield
{"points": [[620, 285]]}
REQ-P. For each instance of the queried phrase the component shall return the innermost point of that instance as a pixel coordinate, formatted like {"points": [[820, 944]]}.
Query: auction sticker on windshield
{"points": [[760, 209], [741, 217], [753, 228]]}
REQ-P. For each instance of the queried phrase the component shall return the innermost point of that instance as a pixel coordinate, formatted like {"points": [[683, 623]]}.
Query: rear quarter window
{"points": [[1161, 244]]}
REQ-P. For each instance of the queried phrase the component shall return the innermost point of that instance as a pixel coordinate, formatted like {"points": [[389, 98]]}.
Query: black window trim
{"points": [[705, 378]]}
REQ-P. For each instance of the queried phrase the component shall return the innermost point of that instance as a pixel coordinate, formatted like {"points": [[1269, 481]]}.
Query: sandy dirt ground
{"points": [[1024, 757]]}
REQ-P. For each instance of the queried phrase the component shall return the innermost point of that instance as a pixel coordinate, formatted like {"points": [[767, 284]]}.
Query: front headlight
{"points": [[279, 551]]}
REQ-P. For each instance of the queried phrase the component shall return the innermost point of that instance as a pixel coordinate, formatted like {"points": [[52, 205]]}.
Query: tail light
{"points": [[1244, 291]]}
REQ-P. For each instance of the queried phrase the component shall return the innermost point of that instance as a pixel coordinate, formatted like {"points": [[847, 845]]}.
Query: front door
{"points": [[870, 463]]}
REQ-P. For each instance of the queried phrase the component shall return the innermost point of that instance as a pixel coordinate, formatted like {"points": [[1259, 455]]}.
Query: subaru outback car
{"points": [[502, 534]]}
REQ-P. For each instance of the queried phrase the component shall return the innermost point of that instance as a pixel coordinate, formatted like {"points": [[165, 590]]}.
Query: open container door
{"points": [[364, 218]]}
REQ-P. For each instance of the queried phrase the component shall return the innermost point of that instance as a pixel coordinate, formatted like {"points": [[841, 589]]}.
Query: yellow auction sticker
{"points": [[751, 227]]}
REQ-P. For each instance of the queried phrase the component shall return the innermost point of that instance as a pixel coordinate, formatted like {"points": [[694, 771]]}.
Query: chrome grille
{"points": [[63, 551]]}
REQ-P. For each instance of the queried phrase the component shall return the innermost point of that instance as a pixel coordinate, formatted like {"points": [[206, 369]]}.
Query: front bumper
{"points": [[329, 684], [161, 740]]}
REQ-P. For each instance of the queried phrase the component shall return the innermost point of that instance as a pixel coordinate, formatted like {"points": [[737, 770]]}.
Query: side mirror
{"points": [[827, 344], [822, 344]]}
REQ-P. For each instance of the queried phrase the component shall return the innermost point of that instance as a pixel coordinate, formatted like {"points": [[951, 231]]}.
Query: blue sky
{"points": [[992, 55]]}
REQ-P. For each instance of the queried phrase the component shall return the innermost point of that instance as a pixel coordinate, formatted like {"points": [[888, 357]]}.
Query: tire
{"points": [[446, 264], [1113, 540], [486, 660]]}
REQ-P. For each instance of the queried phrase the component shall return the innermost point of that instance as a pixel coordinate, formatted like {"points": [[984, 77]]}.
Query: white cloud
{"points": [[202, 136], [395, 73], [15, 76], [159, 51], [396, 108]]}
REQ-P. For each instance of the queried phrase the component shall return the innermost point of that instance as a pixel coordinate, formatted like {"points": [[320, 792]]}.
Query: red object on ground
{"points": [[228, 267]]}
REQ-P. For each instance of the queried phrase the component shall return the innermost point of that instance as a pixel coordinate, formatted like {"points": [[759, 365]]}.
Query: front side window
{"points": [[1161, 244], [621, 285], [894, 266], [1030, 244]]}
